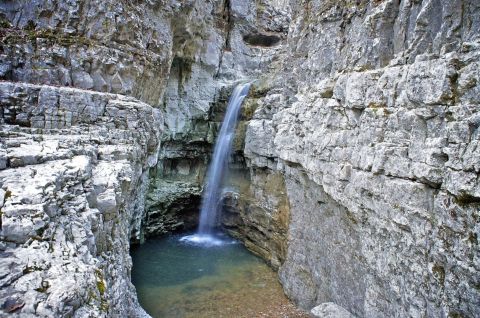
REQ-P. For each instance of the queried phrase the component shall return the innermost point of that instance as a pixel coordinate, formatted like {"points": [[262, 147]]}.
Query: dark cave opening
{"points": [[263, 40]]}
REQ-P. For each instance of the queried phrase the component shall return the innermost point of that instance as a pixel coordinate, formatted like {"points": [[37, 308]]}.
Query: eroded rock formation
{"points": [[373, 122], [84, 171], [355, 169], [74, 173]]}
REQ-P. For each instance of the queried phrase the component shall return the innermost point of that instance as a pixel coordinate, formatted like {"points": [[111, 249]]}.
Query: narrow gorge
{"points": [[354, 173]]}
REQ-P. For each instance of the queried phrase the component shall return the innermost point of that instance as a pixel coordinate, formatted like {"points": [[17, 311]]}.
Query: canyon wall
{"points": [[75, 157], [355, 170], [108, 115], [373, 122], [72, 178]]}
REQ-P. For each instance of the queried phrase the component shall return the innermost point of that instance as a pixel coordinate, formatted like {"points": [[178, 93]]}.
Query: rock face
{"points": [[355, 170], [373, 123], [109, 46], [83, 171], [75, 165], [330, 310], [235, 47]]}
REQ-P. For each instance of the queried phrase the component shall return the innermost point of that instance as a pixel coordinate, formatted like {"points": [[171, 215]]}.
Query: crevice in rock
{"points": [[465, 199], [261, 40], [227, 26]]}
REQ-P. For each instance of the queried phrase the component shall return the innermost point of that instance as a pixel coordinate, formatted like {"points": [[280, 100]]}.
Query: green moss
{"points": [[4, 23], [31, 269], [102, 290], [261, 87], [439, 273], [248, 109], [101, 287], [104, 306], [351, 217], [464, 199], [12, 36], [376, 105], [100, 282]]}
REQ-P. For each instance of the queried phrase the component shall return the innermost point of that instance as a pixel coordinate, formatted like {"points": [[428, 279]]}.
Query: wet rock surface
{"points": [[85, 172]]}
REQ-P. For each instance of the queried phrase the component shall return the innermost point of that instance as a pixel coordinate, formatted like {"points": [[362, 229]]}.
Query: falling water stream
{"points": [[208, 274], [217, 170]]}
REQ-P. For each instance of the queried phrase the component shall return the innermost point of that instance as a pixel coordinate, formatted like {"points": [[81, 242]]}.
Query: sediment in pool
{"points": [[177, 279]]}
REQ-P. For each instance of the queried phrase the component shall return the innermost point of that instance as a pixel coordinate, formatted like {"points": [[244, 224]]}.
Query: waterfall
{"points": [[219, 164], [217, 169]]}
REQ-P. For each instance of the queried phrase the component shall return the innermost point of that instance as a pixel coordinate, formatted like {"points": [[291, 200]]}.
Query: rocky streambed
{"points": [[177, 279]]}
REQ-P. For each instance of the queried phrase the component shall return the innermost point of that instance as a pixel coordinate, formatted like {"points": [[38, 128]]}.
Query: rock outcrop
{"points": [[330, 310], [74, 170], [82, 173], [373, 123], [242, 41], [355, 170]]}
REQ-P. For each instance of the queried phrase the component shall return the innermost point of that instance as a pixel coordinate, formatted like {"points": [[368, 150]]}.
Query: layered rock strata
{"points": [[357, 176], [76, 162], [374, 126], [73, 174], [82, 171], [242, 42]]}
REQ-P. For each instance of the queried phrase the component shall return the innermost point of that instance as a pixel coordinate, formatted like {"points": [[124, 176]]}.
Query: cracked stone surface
{"points": [[373, 123], [74, 169], [358, 150]]}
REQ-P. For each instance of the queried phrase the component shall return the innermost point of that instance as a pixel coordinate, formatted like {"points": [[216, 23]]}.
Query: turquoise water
{"points": [[175, 279]]}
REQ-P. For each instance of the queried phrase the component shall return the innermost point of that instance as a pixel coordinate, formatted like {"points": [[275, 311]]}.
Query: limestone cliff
{"points": [[84, 171], [74, 170], [355, 170], [373, 121], [74, 162]]}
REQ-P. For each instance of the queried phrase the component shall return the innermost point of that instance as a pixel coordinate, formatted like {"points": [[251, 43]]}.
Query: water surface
{"points": [[175, 279]]}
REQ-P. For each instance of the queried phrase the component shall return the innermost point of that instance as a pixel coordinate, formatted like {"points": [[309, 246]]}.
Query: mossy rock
{"points": [[100, 282], [465, 199], [4, 23], [248, 109]]}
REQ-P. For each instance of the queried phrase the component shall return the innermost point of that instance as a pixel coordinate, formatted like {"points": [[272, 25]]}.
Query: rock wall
{"points": [[373, 120], [75, 163], [242, 41], [73, 170], [356, 169], [83, 171], [112, 46]]}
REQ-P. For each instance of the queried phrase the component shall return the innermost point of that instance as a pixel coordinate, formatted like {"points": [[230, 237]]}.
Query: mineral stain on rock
{"points": [[11, 305]]}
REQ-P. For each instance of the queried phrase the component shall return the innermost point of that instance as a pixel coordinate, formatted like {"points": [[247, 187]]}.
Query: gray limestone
{"points": [[330, 310], [375, 132], [356, 168], [69, 199]]}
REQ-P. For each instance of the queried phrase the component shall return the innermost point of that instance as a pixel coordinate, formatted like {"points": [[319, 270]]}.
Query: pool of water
{"points": [[177, 279]]}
